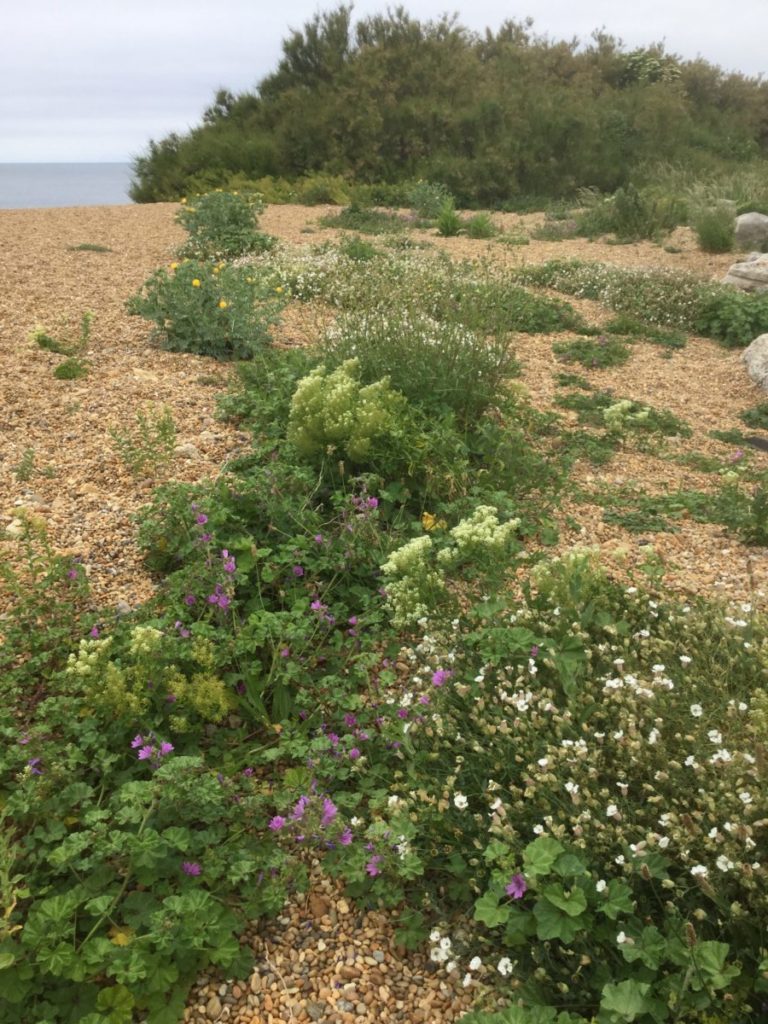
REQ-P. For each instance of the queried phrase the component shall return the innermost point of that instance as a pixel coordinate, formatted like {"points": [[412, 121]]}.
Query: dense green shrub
{"points": [[210, 309], [715, 227], [222, 225]]}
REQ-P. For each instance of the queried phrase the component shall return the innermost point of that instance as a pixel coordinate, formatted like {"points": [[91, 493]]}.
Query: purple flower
{"points": [[285, 652], [229, 561], [352, 620], [354, 754], [516, 887], [33, 764], [201, 519], [535, 651], [171, 698], [423, 699], [94, 633], [145, 752], [190, 867], [224, 601], [317, 605], [329, 812], [190, 599], [346, 837], [166, 748], [372, 867], [372, 503], [738, 454], [441, 676], [248, 772], [318, 538], [277, 823], [298, 570], [402, 713], [349, 720], [137, 741], [333, 739], [301, 805], [72, 574]]}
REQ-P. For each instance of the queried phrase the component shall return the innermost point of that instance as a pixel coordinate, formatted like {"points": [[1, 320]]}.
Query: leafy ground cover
{"points": [[362, 647]]}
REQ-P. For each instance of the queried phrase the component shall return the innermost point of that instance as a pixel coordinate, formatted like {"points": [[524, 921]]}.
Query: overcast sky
{"points": [[94, 80]]}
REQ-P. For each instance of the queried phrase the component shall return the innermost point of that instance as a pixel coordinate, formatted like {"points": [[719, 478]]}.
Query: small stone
{"points": [[379, 956], [321, 946], [317, 1010], [123, 608], [255, 983], [345, 1005], [213, 1008], [342, 907], [187, 451], [15, 528]]}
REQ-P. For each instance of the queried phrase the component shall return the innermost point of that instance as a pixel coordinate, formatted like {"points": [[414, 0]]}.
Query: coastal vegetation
{"points": [[363, 649], [506, 118]]}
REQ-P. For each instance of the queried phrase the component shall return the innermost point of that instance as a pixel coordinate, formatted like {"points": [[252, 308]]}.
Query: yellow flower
{"points": [[430, 522], [223, 304], [120, 936], [279, 289], [215, 270], [183, 200], [196, 282], [174, 266]]}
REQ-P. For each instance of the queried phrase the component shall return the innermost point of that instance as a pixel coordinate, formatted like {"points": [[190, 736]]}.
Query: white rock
{"points": [[751, 274], [755, 357], [751, 231]]}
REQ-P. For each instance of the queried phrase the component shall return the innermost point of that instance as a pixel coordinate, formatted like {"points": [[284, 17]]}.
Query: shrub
{"points": [[334, 413], [733, 317], [222, 225], [449, 223], [363, 219], [480, 226], [433, 364], [150, 444], [427, 199], [71, 369], [715, 227], [210, 310]]}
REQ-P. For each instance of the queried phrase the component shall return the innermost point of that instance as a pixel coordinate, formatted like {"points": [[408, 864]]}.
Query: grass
{"points": [[89, 247], [365, 220], [596, 354]]}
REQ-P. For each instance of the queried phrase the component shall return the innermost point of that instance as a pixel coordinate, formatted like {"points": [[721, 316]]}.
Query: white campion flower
{"points": [[699, 871], [435, 935], [684, 659], [467, 980], [460, 801], [504, 966], [715, 736], [572, 787], [663, 842], [445, 944], [601, 885], [746, 798], [611, 811], [724, 863], [475, 963]]}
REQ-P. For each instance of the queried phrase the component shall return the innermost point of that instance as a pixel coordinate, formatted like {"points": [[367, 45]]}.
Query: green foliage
{"points": [[222, 225], [334, 414], [25, 468], [715, 227], [480, 226], [733, 317], [629, 214], [150, 444], [45, 341], [629, 326], [366, 220], [427, 199], [89, 247], [71, 369], [436, 365], [213, 310], [594, 353], [756, 417], [449, 223]]}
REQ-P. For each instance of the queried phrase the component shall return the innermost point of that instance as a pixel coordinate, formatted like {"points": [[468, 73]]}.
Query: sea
{"points": [[31, 186]]}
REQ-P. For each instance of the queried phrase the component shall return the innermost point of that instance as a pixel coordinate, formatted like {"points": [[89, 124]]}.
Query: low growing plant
{"points": [[149, 445]]}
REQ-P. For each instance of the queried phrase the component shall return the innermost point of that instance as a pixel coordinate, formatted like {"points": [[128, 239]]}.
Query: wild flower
{"points": [[191, 868]]}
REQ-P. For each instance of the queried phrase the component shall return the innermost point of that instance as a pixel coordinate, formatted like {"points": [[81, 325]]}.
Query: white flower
{"points": [[434, 935], [393, 801], [450, 966], [504, 966], [721, 755], [699, 871], [475, 963], [663, 842], [601, 885], [543, 762], [621, 938], [572, 787], [460, 801], [724, 863], [697, 710], [690, 762], [746, 798], [611, 811], [538, 830], [437, 955], [715, 736], [467, 980], [445, 944], [684, 659], [619, 860], [657, 669], [653, 735], [743, 706]]}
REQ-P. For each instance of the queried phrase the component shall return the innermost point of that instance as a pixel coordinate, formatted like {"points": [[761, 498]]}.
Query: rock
{"points": [[378, 956], [15, 528], [755, 356], [123, 608], [187, 451], [213, 1008], [751, 274], [316, 1011], [751, 231]]}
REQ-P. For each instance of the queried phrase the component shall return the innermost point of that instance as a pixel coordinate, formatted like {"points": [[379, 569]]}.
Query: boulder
{"points": [[751, 231], [751, 274], [756, 358]]}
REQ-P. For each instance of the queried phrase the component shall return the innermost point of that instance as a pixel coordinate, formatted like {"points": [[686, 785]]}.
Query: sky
{"points": [[95, 80]]}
